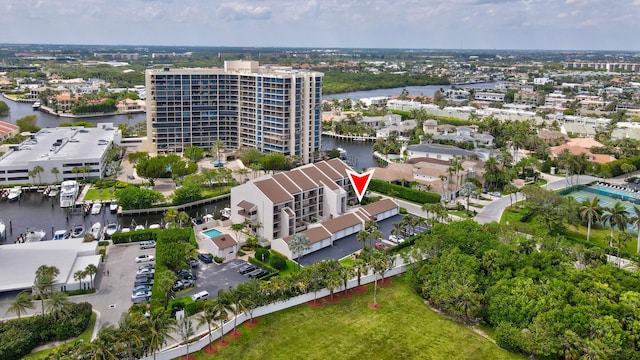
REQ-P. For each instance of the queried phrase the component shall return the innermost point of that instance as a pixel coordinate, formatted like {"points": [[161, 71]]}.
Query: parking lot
{"points": [[213, 277]]}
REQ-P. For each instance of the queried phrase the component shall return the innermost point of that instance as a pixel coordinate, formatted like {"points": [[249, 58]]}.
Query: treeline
{"points": [[335, 82], [111, 74], [107, 106], [544, 297]]}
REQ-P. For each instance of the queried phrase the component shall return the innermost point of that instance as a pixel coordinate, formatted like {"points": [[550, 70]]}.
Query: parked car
{"points": [[138, 294], [495, 193], [140, 300], [202, 295], [142, 288], [381, 246], [182, 284], [197, 221], [193, 262], [253, 273], [143, 281], [145, 258], [147, 244], [258, 275], [146, 271], [246, 268], [147, 266], [185, 274], [205, 258]]}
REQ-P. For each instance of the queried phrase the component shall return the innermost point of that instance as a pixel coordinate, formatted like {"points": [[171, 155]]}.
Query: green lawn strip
{"points": [[99, 194], [403, 328], [291, 267], [476, 205], [85, 337]]}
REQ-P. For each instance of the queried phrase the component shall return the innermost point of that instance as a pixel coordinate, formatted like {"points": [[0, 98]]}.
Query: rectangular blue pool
{"points": [[212, 233]]}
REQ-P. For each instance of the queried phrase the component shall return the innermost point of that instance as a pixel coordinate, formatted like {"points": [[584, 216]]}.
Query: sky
{"points": [[419, 24]]}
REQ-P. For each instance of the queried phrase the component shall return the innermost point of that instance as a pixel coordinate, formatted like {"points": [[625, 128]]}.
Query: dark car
{"points": [[193, 262], [140, 282], [246, 268], [140, 300], [259, 274], [185, 274], [253, 273], [175, 308], [197, 221], [205, 258]]}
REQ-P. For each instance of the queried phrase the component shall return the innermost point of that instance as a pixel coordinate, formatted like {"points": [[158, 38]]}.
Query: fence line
{"points": [[175, 352]]}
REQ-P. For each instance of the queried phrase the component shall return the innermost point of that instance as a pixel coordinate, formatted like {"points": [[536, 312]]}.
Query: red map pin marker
{"points": [[360, 182]]}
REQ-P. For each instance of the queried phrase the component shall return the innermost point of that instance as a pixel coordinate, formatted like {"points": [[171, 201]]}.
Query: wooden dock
{"points": [[177, 207]]}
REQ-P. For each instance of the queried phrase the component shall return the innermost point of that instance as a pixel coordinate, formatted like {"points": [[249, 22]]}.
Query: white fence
{"points": [[175, 352]]}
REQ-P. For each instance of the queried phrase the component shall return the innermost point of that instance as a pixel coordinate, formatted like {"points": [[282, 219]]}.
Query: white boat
{"points": [[69, 193], [61, 235], [77, 231], [113, 206], [14, 193], [225, 213], [125, 230], [96, 208], [154, 226], [111, 229], [3, 229], [54, 192], [35, 235], [208, 218], [95, 230], [138, 227], [36, 105]]}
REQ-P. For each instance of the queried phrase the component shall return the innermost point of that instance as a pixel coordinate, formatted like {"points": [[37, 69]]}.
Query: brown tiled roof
{"points": [[341, 222], [339, 166], [314, 234], [224, 241], [301, 180], [329, 171], [286, 183], [246, 205], [273, 191], [380, 206], [314, 173]]}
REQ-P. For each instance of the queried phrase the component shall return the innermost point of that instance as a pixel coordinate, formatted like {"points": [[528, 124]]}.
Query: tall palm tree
{"points": [[361, 267], [103, 347], [217, 147], [132, 330], [363, 236], [58, 304], [232, 300], [208, 316], [21, 304], [243, 172], [161, 324], [78, 276], [44, 282], [616, 215], [333, 281], [590, 211], [298, 244], [185, 329], [55, 172], [635, 221], [91, 270], [380, 263], [37, 170], [220, 307]]}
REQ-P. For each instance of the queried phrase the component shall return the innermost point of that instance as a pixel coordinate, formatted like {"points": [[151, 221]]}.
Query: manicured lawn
{"points": [[291, 267], [100, 194], [403, 328], [85, 337]]}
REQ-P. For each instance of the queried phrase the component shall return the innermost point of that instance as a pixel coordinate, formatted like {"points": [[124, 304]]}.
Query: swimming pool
{"points": [[212, 233]]}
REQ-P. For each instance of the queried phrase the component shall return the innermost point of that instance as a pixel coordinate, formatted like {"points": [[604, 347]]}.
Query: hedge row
{"points": [[260, 264], [19, 336], [613, 168], [134, 236], [402, 192]]}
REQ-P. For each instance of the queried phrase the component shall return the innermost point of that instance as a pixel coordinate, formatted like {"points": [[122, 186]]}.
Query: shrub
{"points": [[262, 265], [262, 254], [403, 211], [188, 305], [217, 259], [103, 243], [134, 236], [406, 193], [241, 253], [278, 262]]}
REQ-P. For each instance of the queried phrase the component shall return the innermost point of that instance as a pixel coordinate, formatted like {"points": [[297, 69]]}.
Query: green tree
{"points": [[4, 108], [37, 170], [217, 147], [187, 193], [153, 168], [590, 211], [44, 282], [161, 325], [363, 236], [185, 329], [380, 263], [194, 153], [616, 215], [468, 190], [133, 197], [91, 270], [209, 315], [164, 282], [58, 305], [136, 157], [170, 216], [635, 221], [298, 244], [28, 124], [78, 276], [55, 172], [21, 304]]}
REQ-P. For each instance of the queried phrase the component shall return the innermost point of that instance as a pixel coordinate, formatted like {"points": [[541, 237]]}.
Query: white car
{"points": [[146, 271], [145, 257]]}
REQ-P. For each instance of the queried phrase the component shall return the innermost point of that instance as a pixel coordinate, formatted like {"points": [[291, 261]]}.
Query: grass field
{"points": [[85, 337], [403, 328], [100, 194]]}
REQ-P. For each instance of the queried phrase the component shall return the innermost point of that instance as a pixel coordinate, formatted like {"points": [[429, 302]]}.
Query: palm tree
{"points": [[132, 330], [44, 282], [616, 215], [37, 170], [243, 172], [217, 147], [468, 189], [333, 280], [21, 304], [590, 211], [208, 316], [161, 324], [375, 234], [78, 276], [58, 304], [232, 300], [185, 329], [32, 174], [183, 218], [380, 264], [103, 347], [363, 236], [255, 167], [55, 172], [361, 267], [236, 228], [298, 244], [91, 270], [220, 308], [164, 282], [635, 221]]}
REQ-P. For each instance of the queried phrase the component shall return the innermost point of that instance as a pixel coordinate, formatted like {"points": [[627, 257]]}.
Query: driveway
{"points": [[214, 277]]}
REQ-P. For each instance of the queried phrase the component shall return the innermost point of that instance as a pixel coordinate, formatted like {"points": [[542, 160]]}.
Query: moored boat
{"points": [[14, 193], [111, 229], [113, 206], [96, 208], [35, 235], [69, 193], [95, 230], [77, 231], [61, 235], [3, 229]]}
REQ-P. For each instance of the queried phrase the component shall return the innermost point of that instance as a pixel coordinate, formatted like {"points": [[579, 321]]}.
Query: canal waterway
{"points": [[427, 90]]}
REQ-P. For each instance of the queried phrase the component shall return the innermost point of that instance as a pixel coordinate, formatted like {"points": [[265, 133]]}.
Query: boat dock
{"points": [[360, 138], [177, 207]]}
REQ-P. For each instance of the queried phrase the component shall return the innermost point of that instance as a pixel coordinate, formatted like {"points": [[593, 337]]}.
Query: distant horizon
{"points": [[552, 25], [322, 48]]}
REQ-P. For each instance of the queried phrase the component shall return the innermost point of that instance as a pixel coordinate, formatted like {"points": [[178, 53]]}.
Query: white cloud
{"points": [[240, 11]]}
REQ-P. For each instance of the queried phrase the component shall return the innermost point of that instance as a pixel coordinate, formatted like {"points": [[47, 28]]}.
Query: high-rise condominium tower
{"points": [[243, 105]]}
